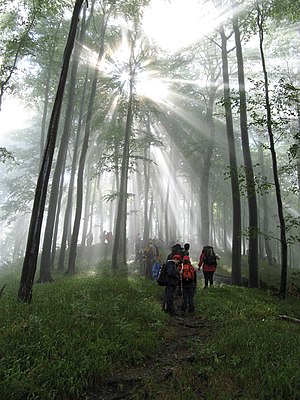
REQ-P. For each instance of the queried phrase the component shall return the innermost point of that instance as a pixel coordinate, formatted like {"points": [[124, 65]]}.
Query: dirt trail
{"points": [[175, 353]]}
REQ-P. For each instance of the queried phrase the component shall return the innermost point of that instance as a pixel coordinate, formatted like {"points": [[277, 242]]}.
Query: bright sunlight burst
{"points": [[178, 23]]}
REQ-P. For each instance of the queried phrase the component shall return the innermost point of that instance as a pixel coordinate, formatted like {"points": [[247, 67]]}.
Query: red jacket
{"points": [[206, 267]]}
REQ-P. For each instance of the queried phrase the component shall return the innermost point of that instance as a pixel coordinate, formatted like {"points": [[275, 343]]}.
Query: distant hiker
{"points": [[189, 283], [172, 281], [109, 238], [138, 247], [157, 252], [186, 249], [150, 258], [208, 262]]}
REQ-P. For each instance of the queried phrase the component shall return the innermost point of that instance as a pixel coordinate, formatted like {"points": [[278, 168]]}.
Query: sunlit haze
{"points": [[173, 25], [13, 115]]}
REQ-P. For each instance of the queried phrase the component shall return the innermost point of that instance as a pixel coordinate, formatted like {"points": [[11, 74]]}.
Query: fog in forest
{"points": [[179, 122]]}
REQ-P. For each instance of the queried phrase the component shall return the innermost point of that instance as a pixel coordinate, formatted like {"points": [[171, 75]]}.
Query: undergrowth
{"points": [[80, 329], [74, 334], [253, 354]]}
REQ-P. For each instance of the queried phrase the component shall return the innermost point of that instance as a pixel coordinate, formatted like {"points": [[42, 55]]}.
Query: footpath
{"points": [[174, 355]]}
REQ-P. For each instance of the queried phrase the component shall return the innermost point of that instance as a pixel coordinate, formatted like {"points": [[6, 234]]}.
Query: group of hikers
{"points": [[178, 272]]}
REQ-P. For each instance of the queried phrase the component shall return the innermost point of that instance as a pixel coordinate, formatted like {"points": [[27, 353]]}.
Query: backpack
{"points": [[188, 272], [162, 275], [155, 270], [209, 256]]}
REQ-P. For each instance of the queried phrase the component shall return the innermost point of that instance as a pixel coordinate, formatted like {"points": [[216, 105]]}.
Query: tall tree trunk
{"points": [[55, 233], [236, 275], [47, 95], [265, 207], [207, 156], [283, 242], [250, 182], [146, 196], [34, 234], [76, 226], [45, 275], [166, 209], [119, 245], [68, 211], [87, 203]]}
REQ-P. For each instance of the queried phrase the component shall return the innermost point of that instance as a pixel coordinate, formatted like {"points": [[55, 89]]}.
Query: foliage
{"points": [[6, 155], [249, 355], [80, 330], [111, 322]]}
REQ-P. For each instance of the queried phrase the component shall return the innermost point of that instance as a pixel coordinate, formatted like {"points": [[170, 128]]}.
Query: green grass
{"points": [[75, 332], [253, 354], [79, 329]]}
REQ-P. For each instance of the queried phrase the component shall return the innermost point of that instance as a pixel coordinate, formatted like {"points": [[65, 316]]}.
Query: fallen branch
{"points": [[291, 319]]}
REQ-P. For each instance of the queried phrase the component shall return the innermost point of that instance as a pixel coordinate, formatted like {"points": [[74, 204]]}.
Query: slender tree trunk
{"points": [[47, 94], [55, 233], [146, 197], [76, 226], [119, 245], [167, 213], [87, 203], [207, 156], [283, 241], [265, 207], [45, 275], [45, 111], [68, 212], [250, 182], [30, 260], [236, 274]]}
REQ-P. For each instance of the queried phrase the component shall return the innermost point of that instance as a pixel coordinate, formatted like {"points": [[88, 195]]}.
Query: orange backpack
{"points": [[188, 272]]}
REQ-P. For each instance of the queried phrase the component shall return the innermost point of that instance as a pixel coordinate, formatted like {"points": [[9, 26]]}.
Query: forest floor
{"points": [[174, 355]]}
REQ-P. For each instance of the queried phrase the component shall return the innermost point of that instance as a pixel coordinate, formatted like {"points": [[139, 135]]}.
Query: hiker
{"points": [[172, 281], [177, 249], [186, 249], [150, 258], [208, 262], [189, 283]]}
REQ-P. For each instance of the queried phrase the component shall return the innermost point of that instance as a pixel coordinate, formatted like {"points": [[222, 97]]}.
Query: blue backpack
{"points": [[155, 270]]}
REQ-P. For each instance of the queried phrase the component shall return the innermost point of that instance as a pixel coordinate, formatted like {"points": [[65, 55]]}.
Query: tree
{"points": [[235, 192], [45, 273], [250, 183], [30, 259], [119, 246], [75, 232], [283, 241]]}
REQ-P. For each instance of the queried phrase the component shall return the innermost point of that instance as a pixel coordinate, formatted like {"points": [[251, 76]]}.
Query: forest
{"points": [[129, 122]]}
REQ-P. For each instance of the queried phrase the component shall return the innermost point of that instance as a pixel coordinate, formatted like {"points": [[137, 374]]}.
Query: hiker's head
{"points": [[176, 258], [186, 246], [176, 246]]}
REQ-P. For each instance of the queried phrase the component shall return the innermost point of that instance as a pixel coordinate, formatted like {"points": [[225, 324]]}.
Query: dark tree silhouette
{"points": [[283, 241], [250, 182], [236, 222], [32, 248]]}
